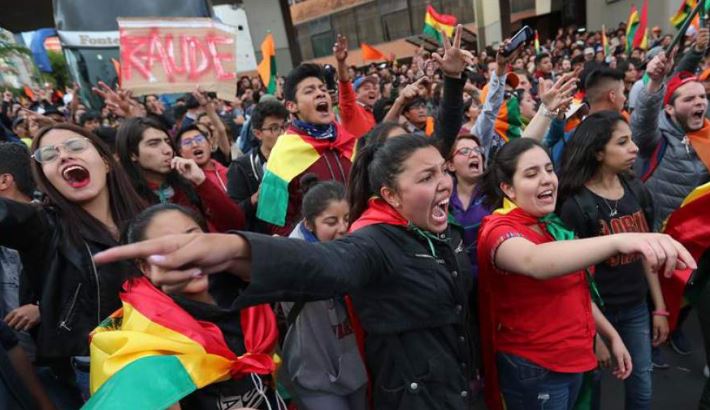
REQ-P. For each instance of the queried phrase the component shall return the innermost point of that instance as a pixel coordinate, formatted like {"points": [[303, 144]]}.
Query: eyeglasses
{"points": [[276, 128], [49, 153], [197, 139], [466, 151]]}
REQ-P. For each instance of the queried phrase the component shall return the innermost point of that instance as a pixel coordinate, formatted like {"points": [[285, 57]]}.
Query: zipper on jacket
{"points": [[63, 323], [686, 142], [98, 286]]}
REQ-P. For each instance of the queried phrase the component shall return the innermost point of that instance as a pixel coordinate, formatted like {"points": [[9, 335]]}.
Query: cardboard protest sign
{"points": [[171, 55]]}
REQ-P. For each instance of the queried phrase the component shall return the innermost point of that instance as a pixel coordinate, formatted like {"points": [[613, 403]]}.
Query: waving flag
{"points": [[632, 23], [537, 43], [641, 34], [267, 66], [371, 53], [151, 353], [683, 12], [605, 42], [509, 122], [435, 23], [689, 225]]}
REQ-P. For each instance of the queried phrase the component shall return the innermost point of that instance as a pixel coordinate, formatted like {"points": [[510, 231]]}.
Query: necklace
{"points": [[612, 211]]}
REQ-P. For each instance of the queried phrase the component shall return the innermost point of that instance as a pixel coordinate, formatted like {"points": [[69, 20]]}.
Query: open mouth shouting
{"points": [[440, 211], [76, 176]]}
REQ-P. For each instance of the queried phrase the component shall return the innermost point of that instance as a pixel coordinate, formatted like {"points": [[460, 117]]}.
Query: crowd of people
{"points": [[462, 230]]}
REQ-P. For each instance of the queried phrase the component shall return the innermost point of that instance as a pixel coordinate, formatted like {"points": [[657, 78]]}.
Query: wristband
{"points": [[663, 313]]}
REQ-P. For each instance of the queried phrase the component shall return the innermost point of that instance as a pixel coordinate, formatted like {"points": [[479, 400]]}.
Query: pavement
{"points": [[676, 388]]}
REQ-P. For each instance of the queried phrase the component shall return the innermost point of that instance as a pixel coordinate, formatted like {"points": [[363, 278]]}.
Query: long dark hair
{"points": [[318, 195], [124, 202], [579, 159], [378, 165], [135, 230], [501, 169], [129, 135]]}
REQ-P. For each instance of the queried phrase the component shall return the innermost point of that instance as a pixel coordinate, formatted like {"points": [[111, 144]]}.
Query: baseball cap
{"points": [[678, 80], [365, 79]]}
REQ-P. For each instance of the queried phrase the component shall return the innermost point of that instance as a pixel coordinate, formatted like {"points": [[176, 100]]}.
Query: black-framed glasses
{"points": [[468, 151], [276, 128], [49, 153], [197, 139]]}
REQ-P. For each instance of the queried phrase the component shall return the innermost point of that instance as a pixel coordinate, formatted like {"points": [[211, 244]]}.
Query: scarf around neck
{"points": [[317, 131]]}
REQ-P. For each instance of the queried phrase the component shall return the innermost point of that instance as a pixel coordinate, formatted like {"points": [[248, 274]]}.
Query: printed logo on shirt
{"points": [[250, 399], [635, 222]]}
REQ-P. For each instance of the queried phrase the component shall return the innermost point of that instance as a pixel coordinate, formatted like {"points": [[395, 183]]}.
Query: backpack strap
{"points": [[654, 160], [294, 312], [642, 196], [588, 205]]}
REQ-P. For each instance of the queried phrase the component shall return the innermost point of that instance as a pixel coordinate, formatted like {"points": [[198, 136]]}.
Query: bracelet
{"points": [[663, 313], [547, 113]]}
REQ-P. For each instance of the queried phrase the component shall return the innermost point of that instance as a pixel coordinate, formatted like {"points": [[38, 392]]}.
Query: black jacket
{"points": [[74, 295], [243, 180], [410, 292]]}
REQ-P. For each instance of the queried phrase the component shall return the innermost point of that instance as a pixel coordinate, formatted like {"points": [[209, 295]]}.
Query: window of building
{"points": [[369, 25], [396, 25], [345, 23], [323, 44]]}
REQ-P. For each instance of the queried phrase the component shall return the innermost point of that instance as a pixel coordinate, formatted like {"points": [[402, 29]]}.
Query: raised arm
{"points": [[644, 119], [559, 95], [691, 60], [220, 131], [452, 64]]}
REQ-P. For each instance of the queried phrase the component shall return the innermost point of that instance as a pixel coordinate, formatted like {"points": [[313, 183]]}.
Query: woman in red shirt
{"points": [[538, 320]]}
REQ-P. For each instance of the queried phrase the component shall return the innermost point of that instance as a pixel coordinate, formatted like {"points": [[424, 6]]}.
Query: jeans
{"points": [[527, 386], [633, 325]]}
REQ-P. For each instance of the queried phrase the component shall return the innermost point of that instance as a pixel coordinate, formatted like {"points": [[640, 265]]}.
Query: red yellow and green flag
{"points": [[435, 23], [151, 353], [605, 41], [292, 155], [632, 23], [682, 14], [689, 225], [267, 66], [537, 43]]}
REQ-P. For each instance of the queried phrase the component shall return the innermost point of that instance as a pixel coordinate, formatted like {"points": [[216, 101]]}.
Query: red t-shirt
{"points": [[548, 322]]}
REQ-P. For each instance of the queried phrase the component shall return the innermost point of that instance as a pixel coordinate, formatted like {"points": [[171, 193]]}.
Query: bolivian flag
{"points": [[682, 14], [632, 23], [435, 23], [689, 225], [151, 353], [292, 155]]}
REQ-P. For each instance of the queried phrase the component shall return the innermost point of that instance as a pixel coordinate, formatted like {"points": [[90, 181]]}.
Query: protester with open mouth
{"points": [[89, 198], [193, 143], [466, 163], [403, 265], [146, 152], [537, 315], [600, 196]]}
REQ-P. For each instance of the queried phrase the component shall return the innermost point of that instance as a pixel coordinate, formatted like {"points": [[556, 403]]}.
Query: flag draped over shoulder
{"points": [[292, 155], [151, 353], [435, 23], [689, 225], [267, 66]]}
